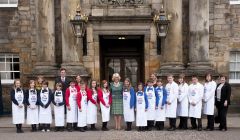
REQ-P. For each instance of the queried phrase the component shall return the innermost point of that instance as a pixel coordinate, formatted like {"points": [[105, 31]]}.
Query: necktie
{"points": [[150, 89]]}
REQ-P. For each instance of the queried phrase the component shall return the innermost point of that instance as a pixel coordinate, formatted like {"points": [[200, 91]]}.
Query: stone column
{"points": [[172, 51], [45, 64], [71, 46], [199, 35]]}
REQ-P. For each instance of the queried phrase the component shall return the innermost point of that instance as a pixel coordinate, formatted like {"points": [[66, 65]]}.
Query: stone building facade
{"points": [[121, 37]]}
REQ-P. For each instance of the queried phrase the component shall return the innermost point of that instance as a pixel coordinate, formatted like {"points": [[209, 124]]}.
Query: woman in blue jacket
{"points": [[128, 104]]}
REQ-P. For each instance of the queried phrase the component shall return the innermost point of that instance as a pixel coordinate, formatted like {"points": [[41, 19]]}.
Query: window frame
{"points": [[235, 62], [9, 4], [11, 56]]}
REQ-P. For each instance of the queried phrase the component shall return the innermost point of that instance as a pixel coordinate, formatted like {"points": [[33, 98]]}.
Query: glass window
{"points": [[234, 67], [9, 67], [8, 3]]}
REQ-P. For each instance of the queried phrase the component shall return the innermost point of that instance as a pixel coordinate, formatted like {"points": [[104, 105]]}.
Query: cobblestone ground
{"points": [[7, 132]]}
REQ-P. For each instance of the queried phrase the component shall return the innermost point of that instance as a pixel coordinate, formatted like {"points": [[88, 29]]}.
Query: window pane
{"points": [[15, 60], [16, 67], [17, 75], [3, 1], [238, 75], [232, 66], [232, 75], [13, 1], [237, 68], [233, 56], [2, 67]]}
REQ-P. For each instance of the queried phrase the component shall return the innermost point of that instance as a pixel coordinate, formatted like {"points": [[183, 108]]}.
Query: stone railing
{"points": [[121, 2]]}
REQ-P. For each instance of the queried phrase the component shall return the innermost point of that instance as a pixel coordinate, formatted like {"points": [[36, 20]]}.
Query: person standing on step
{"points": [[45, 112], [32, 106], [71, 104], [128, 104], [195, 96], [18, 100], [92, 95], [171, 107], [153, 100], [161, 111], [105, 98], [82, 103], [141, 108], [59, 102], [209, 101], [182, 108]]}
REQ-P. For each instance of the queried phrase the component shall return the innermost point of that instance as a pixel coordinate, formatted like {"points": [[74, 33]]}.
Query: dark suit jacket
{"points": [[65, 84], [225, 93]]}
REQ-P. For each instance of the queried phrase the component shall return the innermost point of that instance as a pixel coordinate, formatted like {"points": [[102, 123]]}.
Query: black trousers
{"points": [[150, 124], [183, 123], [194, 124], [222, 114], [210, 122], [172, 122], [159, 125]]}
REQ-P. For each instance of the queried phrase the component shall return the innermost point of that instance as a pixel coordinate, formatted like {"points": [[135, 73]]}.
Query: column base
{"points": [[200, 68], [74, 69], [174, 68], [46, 69]]}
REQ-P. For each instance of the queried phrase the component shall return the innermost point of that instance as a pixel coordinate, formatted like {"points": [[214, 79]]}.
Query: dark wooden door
{"points": [[124, 57]]}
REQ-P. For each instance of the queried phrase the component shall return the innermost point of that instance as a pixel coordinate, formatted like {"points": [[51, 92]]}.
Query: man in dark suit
{"points": [[63, 79]]}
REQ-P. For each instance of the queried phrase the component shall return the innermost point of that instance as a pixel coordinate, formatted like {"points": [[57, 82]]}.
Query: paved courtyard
{"points": [[7, 132]]}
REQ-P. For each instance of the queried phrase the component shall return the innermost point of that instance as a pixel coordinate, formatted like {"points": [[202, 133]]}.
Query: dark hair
{"points": [[222, 75], [91, 84], [63, 69], [82, 82], [159, 80], [170, 75], [127, 79], [194, 76], [149, 81], [208, 74], [59, 85], [45, 82]]}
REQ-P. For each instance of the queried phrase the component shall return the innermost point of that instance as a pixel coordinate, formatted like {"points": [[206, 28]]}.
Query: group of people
{"points": [[149, 105]]}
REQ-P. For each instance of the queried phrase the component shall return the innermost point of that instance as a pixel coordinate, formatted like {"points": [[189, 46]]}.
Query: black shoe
{"points": [[85, 128], [56, 129], [105, 129], [200, 129], [61, 129], [81, 129], [171, 129], [193, 128]]}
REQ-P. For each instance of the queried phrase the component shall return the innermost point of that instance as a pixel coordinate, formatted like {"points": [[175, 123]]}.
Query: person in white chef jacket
{"points": [[161, 110], [58, 102], [128, 104], [71, 104], [209, 101], [105, 99], [45, 112], [171, 107], [153, 99], [18, 100], [195, 97], [82, 103], [32, 106], [183, 104], [141, 108], [92, 97]]}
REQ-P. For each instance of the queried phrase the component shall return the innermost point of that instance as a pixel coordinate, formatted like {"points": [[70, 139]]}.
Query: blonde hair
{"points": [[115, 75]]}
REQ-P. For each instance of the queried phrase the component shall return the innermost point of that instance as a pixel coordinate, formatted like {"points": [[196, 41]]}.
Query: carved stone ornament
{"points": [[121, 2]]}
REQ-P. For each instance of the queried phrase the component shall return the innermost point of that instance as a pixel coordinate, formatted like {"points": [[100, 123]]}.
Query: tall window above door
{"points": [[8, 3], [234, 67]]}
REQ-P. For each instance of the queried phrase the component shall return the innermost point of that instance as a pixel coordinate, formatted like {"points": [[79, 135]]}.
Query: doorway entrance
{"points": [[123, 55]]}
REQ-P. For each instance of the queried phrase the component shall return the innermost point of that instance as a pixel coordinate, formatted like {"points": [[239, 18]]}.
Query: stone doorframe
{"points": [[96, 29]]}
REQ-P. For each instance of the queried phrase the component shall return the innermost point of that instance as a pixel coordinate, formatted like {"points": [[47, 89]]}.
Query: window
{"points": [[234, 1], [8, 3], [9, 68], [234, 67]]}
